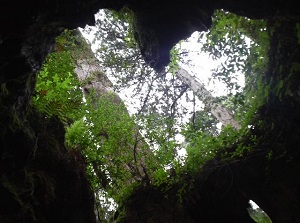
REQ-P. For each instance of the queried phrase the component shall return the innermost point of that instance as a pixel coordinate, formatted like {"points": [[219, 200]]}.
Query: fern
{"points": [[76, 135], [66, 112], [57, 91]]}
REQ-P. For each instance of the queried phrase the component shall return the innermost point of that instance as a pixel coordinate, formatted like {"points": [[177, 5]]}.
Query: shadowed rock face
{"points": [[34, 162], [161, 24], [28, 28]]}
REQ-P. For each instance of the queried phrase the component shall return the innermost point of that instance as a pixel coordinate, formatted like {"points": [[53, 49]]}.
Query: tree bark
{"points": [[221, 113], [90, 73]]}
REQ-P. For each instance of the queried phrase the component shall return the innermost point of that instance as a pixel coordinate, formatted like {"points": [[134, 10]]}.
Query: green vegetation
{"points": [[244, 44], [258, 215], [123, 151], [57, 90]]}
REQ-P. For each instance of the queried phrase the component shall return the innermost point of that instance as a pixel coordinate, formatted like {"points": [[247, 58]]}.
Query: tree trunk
{"points": [[95, 80], [221, 113]]}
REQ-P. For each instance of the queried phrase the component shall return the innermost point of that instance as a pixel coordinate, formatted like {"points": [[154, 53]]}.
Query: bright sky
{"points": [[200, 65]]}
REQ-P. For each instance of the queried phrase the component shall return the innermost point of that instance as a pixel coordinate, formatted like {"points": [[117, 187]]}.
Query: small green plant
{"points": [[257, 214], [76, 135], [57, 90], [174, 61]]}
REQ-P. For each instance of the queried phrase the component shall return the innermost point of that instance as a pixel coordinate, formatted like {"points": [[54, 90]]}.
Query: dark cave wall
{"points": [[220, 194], [40, 181], [28, 28], [281, 115]]}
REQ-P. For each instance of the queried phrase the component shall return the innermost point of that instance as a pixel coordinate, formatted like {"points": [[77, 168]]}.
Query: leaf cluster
{"points": [[242, 41], [57, 90]]}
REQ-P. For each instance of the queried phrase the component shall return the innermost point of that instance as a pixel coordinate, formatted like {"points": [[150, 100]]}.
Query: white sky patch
{"points": [[202, 65], [253, 205], [197, 63]]}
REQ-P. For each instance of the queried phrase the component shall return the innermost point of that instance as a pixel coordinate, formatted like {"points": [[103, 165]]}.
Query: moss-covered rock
{"points": [[40, 180]]}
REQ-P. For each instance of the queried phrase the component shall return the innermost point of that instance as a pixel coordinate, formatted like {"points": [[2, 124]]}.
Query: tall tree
{"points": [[100, 132], [221, 113], [163, 91], [96, 85]]}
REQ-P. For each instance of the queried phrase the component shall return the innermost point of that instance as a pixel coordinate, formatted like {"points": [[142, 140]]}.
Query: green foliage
{"points": [[174, 60], [76, 135], [242, 41], [259, 216], [202, 122], [102, 129], [118, 158], [118, 50], [160, 177], [111, 122], [65, 41], [128, 16], [57, 90], [108, 138], [203, 147], [160, 135]]}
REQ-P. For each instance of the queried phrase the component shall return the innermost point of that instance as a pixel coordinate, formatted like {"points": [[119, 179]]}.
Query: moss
{"points": [[298, 32], [27, 189], [39, 176]]}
